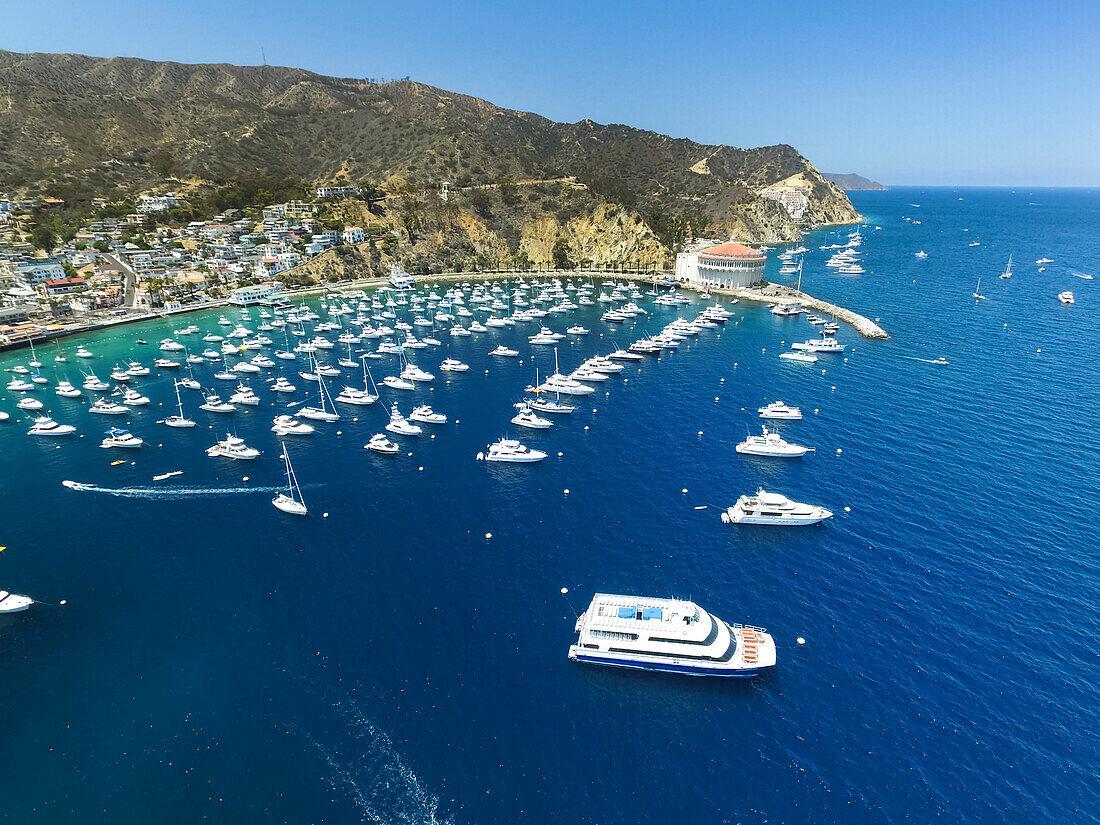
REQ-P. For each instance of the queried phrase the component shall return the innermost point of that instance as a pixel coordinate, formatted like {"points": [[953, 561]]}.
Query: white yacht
{"points": [[166, 364], [102, 406], [1066, 297], [121, 438], [13, 602], [245, 395], [43, 425], [213, 403], [511, 451], [773, 509], [564, 385], [168, 345], [504, 352], [777, 409], [232, 447], [399, 425], [414, 373], [424, 414], [771, 444], [81, 352], [396, 383], [451, 365], [67, 390], [133, 398], [669, 635], [380, 444], [291, 501], [29, 402], [282, 385], [526, 418], [799, 357], [358, 397], [576, 330], [289, 425]]}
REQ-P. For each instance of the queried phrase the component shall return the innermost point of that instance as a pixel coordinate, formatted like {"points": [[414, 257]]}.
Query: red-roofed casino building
{"points": [[726, 265]]}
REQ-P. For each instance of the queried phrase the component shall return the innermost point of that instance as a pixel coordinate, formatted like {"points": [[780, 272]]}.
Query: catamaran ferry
{"points": [[668, 635]]}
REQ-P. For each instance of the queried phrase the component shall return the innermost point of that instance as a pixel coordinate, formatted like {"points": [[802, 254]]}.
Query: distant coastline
{"points": [[851, 182]]}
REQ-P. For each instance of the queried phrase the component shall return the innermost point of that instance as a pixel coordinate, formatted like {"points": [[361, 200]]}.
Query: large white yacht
{"points": [[527, 418], [289, 425], [103, 406], [509, 450], [44, 425], [668, 635], [773, 508], [771, 444], [563, 385], [777, 409], [399, 425], [13, 602], [232, 447], [121, 438]]}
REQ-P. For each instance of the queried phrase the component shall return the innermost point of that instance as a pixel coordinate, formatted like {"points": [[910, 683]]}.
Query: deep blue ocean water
{"points": [[219, 661]]}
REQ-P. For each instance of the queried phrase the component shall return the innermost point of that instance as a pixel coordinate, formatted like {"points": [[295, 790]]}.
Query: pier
{"points": [[772, 294]]}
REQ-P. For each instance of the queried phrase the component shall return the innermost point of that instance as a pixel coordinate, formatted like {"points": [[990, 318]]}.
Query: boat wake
{"points": [[374, 774], [166, 492]]}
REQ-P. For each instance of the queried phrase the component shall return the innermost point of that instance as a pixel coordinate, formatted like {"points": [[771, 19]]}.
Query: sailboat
{"points": [[1008, 269], [34, 362], [978, 292], [179, 420], [287, 501], [545, 405], [320, 413]]}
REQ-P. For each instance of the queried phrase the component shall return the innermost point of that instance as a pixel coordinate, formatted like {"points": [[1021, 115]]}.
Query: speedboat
{"points": [[289, 425], [451, 365], [213, 403], [399, 425], [668, 635], [133, 398], [121, 438], [232, 447], [426, 415], [777, 409], [44, 425], [511, 451], [13, 602], [527, 418], [771, 444], [504, 352], [380, 444], [67, 390], [773, 509], [103, 406]]}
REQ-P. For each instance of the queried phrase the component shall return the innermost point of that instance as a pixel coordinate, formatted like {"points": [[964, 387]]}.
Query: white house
{"points": [[325, 192], [353, 235]]}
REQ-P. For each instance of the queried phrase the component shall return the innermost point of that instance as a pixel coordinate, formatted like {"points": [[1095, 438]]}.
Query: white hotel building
{"points": [[727, 265]]}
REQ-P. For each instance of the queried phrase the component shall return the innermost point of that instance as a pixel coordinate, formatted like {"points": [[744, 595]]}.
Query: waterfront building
{"points": [[400, 279], [728, 265], [248, 295]]}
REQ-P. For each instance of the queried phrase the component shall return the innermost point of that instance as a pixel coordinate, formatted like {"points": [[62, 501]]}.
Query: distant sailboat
{"points": [[291, 501], [978, 292], [1008, 269]]}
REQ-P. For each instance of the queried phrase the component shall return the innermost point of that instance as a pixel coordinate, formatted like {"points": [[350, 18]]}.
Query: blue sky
{"points": [[960, 93]]}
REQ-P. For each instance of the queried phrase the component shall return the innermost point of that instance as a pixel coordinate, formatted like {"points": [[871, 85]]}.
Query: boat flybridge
{"points": [[773, 509], [669, 635]]}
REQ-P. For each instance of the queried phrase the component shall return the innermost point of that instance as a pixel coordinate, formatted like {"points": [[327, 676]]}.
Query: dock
{"points": [[772, 294]]}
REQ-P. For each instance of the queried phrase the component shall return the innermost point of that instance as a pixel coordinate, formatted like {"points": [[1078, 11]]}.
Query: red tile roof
{"points": [[731, 250]]}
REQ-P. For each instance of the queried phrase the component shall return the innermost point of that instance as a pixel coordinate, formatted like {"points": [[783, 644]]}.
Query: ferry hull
{"points": [[669, 667]]}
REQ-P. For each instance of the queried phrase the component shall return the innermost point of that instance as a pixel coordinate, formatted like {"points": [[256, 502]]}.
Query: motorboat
{"points": [[82, 352], [799, 357], [779, 410], [771, 444], [396, 383], [29, 402], [166, 364], [120, 375], [414, 373], [136, 369], [44, 425], [121, 438], [424, 414], [104, 406], [668, 635], [451, 365], [504, 352], [352, 395], [605, 365], [291, 501], [67, 390], [245, 395], [91, 382], [133, 398], [587, 373], [19, 385], [399, 425], [232, 447], [577, 330], [13, 602], [510, 451], [623, 355], [380, 444], [289, 425], [168, 345], [773, 509], [213, 403], [564, 385], [526, 418], [1066, 297]]}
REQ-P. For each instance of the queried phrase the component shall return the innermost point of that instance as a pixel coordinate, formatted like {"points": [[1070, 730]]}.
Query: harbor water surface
{"points": [[219, 661]]}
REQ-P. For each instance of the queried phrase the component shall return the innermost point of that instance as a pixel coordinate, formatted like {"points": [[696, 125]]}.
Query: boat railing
{"points": [[741, 626]]}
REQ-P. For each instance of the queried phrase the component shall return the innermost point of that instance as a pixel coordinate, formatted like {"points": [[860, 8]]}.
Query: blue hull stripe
{"points": [[689, 670]]}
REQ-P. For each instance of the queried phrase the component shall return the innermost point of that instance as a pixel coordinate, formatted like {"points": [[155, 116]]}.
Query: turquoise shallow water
{"points": [[219, 661]]}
